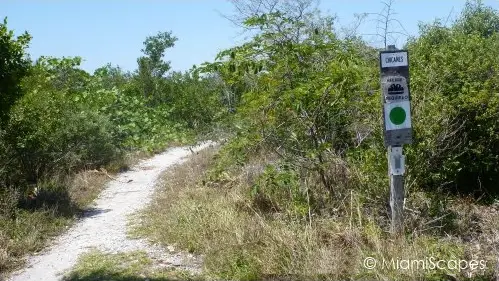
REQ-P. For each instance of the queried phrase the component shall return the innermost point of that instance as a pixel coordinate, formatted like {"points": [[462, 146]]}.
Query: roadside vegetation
{"points": [[133, 266], [62, 130], [300, 190]]}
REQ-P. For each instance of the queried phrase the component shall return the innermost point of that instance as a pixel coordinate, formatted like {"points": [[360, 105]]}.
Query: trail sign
{"points": [[397, 116], [396, 97], [394, 59], [395, 89], [398, 128]]}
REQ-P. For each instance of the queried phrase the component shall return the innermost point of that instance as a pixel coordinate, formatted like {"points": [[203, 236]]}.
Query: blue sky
{"points": [[103, 31]]}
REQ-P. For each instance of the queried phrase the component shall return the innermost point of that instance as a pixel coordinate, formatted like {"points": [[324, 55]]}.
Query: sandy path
{"points": [[105, 225]]}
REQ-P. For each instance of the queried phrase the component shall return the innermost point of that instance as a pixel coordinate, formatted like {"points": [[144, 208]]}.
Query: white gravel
{"points": [[105, 225]]}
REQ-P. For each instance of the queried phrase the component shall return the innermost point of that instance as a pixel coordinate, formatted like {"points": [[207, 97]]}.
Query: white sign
{"points": [[395, 89], [394, 59], [397, 115], [397, 161]]}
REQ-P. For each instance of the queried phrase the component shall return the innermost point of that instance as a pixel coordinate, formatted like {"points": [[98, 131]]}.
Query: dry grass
{"points": [[241, 243], [131, 266], [86, 186], [26, 234], [27, 230]]}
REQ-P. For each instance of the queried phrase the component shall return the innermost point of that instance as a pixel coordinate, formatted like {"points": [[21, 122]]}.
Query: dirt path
{"points": [[104, 226]]}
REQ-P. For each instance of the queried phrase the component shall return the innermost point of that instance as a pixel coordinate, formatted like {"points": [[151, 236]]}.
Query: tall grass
{"points": [[241, 242]]}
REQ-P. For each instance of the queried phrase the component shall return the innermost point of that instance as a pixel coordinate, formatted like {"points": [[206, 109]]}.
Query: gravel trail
{"points": [[104, 226]]}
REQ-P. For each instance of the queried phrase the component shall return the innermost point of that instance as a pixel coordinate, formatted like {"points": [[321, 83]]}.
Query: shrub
{"points": [[279, 190], [455, 89], [48, 134], [14, 65], [135, 125]]}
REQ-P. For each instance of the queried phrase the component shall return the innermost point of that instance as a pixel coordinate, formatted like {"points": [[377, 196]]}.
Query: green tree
{"points": [[57, 74], [14, 66], [303, 97], [478, 18], [110, 76], [195, 100], [454, 82], [152, 67]]}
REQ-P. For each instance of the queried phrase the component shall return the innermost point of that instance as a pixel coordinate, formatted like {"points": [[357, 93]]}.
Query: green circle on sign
{"points": [[397, 115]]}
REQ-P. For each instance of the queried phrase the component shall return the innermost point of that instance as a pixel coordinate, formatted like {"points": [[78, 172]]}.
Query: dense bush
{"points": [[195, 101], [313, 101], [308, 100], [70, 120], [14, 65], [49, 134], [135, 125], [57, 120], [455, 84]]}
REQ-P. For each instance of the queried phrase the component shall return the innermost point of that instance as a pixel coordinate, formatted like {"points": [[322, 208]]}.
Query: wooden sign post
{"points": [[394, 66]]}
